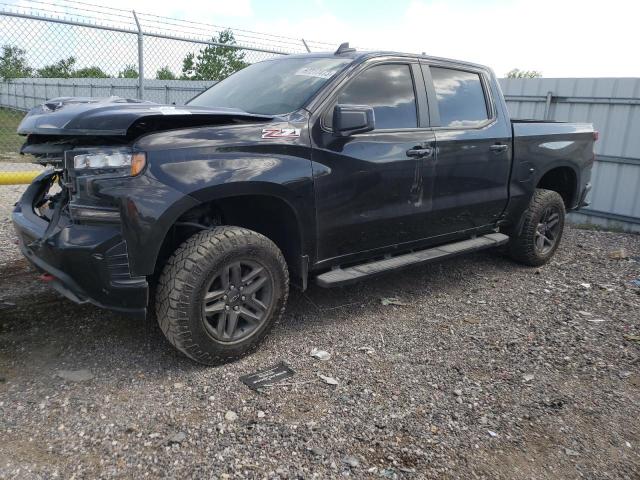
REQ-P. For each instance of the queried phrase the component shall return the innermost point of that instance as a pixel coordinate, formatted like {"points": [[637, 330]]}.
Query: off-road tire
{"points": [[522, 247], [185, 281]]}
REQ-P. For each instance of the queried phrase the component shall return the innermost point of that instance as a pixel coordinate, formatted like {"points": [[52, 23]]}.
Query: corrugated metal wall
{"points": [[613, 106], [26, 93]]}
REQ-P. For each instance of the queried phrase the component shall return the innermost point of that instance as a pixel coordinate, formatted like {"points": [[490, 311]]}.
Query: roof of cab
{"points": [[364, 55]]}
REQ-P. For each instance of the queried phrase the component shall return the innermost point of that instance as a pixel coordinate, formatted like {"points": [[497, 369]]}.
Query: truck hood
{"points": [[115, 116]]}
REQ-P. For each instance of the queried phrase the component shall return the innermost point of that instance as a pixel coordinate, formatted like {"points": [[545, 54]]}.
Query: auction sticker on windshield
{"points": [[315, 72]]}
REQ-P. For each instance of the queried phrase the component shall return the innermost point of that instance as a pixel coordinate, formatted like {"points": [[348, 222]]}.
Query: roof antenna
{"points": [[344, 48]]}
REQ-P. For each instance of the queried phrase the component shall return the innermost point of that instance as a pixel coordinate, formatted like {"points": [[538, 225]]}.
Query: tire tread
{"points": [[522, 246], [176, 287]]}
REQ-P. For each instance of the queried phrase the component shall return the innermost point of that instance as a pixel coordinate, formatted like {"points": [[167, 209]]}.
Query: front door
{"points": [[368, 187]]}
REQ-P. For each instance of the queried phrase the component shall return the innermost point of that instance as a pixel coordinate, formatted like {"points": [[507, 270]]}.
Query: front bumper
{"points": [[88, 263]]}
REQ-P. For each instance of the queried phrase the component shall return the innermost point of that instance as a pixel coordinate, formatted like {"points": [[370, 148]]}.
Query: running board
{"points": [[343, 276]]}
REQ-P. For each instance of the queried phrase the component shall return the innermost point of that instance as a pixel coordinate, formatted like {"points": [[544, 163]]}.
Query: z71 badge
{"points": [[280, 132]]}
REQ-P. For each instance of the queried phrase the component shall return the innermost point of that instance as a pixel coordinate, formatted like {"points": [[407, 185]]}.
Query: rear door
{"points": [[368, 186], [467, 180]]}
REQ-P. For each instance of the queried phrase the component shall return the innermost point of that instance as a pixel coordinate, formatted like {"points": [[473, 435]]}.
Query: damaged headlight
{"points": [[101, 160]]}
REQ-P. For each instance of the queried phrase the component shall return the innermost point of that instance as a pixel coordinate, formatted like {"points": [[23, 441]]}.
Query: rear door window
{"points": [[461, 97]]}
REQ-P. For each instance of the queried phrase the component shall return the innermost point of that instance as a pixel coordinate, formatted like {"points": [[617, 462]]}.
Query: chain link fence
{"points": [[75, 49]]}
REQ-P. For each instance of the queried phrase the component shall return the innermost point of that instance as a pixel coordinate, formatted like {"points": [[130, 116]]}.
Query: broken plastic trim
{"points": [[93, 214], [61, 202]]}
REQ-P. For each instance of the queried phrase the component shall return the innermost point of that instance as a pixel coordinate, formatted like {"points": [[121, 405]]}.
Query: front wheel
{"points": [[542, 229], [220, 293]]}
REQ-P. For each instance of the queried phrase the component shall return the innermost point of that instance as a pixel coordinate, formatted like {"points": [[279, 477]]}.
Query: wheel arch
{"points": [[267, 210], [562, 178]]}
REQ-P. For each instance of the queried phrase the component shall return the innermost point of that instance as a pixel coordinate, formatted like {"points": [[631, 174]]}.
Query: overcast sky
{"points": [[560, 38]]}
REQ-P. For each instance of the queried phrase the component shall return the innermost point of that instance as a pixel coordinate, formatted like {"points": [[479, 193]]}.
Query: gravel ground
{"points": [[487, 369]]}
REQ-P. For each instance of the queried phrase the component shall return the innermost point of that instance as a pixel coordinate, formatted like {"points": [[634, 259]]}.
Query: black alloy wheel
{"points": [[238, 301], [547, 230], [221, 292]]}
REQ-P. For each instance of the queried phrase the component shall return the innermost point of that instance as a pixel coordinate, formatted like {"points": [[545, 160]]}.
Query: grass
{"points": [[10, 141]]}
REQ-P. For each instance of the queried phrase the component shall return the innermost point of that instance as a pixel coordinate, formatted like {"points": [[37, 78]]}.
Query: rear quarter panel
{"points": [[539, 147]]}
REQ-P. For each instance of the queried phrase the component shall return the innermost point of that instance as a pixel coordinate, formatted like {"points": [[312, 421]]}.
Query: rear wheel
{"points": [[220, 293], [542, 229]]}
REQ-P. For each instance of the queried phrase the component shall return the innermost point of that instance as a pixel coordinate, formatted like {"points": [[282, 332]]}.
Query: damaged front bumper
{"points": [[88, 263]]}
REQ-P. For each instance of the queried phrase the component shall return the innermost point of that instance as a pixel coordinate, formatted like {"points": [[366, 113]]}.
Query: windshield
{"points": [[272, 87]]}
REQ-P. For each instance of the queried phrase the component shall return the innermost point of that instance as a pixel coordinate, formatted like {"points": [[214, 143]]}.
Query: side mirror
{"points": [[350, 119]]}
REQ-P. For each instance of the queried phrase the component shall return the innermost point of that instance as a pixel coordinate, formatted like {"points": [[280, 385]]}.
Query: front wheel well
{"points": [[562, 180], [270, 216]]}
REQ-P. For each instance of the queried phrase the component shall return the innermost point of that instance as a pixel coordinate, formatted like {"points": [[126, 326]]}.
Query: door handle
{"points": [[499, 147], [420, 152]]}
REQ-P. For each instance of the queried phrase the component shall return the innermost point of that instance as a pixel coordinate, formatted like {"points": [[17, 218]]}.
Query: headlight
{"points": [[109, 160], [102, 160]]}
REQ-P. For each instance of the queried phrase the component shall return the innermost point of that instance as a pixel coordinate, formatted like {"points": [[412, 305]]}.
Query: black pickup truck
{"points": [[328, 166]]}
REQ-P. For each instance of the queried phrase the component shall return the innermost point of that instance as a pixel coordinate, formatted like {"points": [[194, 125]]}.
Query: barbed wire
{"points": [[103, 12], [190, 23], [80, 11], [38, 12], [239, 36], [207, 33], [193, 22]]}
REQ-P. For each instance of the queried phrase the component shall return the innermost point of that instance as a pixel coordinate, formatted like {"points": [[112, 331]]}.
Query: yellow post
{"points": [[18, 178]]}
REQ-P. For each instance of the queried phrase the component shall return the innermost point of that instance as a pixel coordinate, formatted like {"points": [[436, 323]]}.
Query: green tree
{"points": [[61, 69], [89, 72], [214, 62], [130, 71], [165, 73], [13, 64], [517, 73]]}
